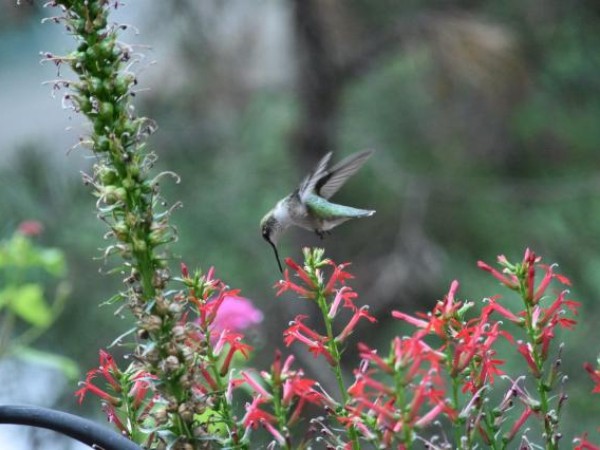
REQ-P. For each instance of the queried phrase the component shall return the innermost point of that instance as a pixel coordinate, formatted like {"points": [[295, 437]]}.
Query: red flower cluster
{"points": [[540, 321], [395, 409], [217, 323], [285, 392], [466, 344], [313, 284], [120, 409]]}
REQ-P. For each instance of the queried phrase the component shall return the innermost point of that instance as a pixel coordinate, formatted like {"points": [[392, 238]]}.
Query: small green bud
{"points": [[113, 194], [121, 231], [121, 194], [84, 103], [139, 245], [128, 184], [100, 22], [106, 111], [78, 25], [102, 145], [107, 176], [122, 84], [99, 126], [95, 86], [107, 84]]}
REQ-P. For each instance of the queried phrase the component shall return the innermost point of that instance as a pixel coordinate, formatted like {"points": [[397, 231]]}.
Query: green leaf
{"points": [[66, 365], [53, 261], [27, 302]]}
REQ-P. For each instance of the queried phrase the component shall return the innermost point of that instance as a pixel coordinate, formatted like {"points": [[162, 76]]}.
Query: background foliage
{"points": [[483, 115]]}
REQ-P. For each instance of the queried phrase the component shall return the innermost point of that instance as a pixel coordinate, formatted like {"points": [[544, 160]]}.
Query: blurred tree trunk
{"points": [[317, 87]]}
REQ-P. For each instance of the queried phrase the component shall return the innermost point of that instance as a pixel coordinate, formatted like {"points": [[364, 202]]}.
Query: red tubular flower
{"points": [[313, 340], [419, 323], [256, 386], [509, 281], [256, 416], [87, 386], [339, 275], [594, 374], [288, 285], [552, 314], [449, 305], [111, 415], [184, 271], [504, 312], [142, 384], [345, 294], [209, 379], [529, 266], [526, 350], [440, 407], [518, 424], [110, 372], [300, 272], [541, 289], [371, 355], [349, 328], [583, 444], [235, 344], [296, 386]]}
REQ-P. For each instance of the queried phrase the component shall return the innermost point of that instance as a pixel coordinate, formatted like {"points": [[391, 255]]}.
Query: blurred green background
{"points": [[484, 116]]}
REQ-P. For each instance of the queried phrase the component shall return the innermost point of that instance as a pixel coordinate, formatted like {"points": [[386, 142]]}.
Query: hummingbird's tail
{"points": [[365, 212]]}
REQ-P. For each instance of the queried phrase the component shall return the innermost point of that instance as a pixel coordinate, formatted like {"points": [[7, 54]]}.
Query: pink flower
{"points": [[236, 314], [30, 228]]}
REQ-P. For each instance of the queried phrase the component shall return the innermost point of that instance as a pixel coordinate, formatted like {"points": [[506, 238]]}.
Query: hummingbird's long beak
{"points": [[276, 255]]}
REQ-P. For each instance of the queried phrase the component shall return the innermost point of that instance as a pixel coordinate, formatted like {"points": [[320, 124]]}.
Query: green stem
{"points": [[336, 355], [399, 376], [279, 412]]}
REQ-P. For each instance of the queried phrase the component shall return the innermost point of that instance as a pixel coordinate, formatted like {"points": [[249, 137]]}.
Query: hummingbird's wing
{"points": [[331, 180], [307, 186]]}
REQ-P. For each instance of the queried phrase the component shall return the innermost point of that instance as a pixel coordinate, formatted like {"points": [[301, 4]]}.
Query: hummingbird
{"points": [[309, 207]]}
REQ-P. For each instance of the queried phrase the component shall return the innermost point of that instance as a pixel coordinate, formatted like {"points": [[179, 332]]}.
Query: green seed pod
{"points": [[121, 194], [99, 126], [107, 84], [102, 144], [107, 176], [78, 25], [129, 184], [122, 84], [106, 111], [121, 231], [134, 171], [83, 102], [139, 245], [95, 86], [100, 22]]}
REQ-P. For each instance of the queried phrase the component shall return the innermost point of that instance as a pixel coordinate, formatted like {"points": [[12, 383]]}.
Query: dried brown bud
{"points": [[151, 323], [171, 363]]}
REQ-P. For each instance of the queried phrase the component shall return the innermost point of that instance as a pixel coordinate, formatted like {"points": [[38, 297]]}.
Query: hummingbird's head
{"points": [[270, 229]]}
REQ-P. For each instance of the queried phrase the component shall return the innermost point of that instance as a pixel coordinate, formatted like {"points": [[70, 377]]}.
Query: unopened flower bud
{"points": [[152, 323], [179, 332], [172, 363], [185, 413]]}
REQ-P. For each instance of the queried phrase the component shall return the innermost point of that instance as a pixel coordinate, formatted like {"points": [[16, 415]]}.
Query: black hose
{"points": [[80, 429]]}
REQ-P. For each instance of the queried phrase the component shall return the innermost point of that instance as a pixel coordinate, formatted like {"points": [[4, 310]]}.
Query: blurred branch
{"points": [[379, 46]]}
